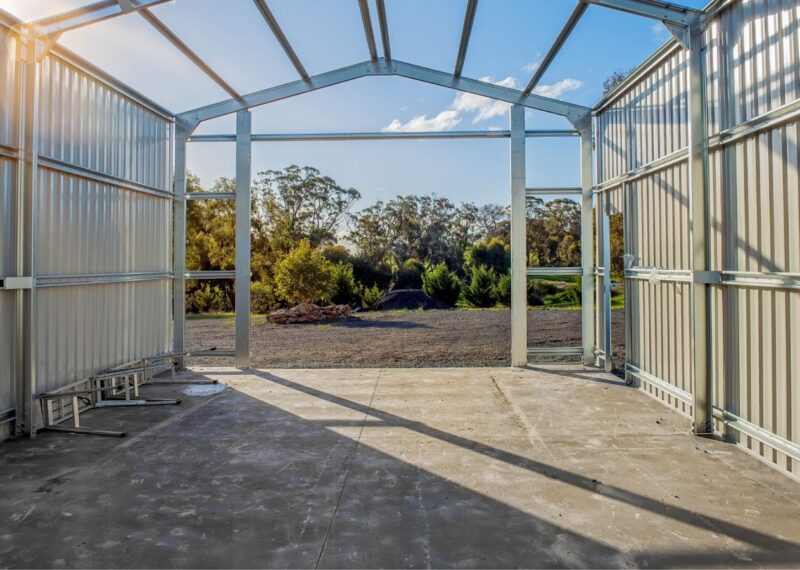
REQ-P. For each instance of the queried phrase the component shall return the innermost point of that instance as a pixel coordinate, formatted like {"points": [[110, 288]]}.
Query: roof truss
{"points": [[677, 19], [576, 114]]}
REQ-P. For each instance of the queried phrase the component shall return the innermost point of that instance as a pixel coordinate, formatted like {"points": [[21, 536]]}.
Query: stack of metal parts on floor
{"points": [[114, 388]]}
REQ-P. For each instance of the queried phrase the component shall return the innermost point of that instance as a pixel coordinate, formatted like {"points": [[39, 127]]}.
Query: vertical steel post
{"points": [[606, 241], [179, 245], [27, 187], [243, 173], [587, 245], [519, 249], [698, 196]]}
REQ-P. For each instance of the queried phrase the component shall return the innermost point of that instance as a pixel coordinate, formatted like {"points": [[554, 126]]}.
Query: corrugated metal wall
{"points": [[103, 223], [753, 83], [8, 185]]}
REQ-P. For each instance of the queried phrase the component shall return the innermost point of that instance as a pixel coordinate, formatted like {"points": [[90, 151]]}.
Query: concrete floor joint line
{"points": [[349, 464]]}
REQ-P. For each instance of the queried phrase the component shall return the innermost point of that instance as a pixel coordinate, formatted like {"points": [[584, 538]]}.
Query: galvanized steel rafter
{"points": [[466, 32], [272, 22], [164, 30], [576, 114]]}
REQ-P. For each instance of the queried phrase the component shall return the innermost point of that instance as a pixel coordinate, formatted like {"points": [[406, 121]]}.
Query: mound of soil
{"points": [[411, 299], [307, 313]]}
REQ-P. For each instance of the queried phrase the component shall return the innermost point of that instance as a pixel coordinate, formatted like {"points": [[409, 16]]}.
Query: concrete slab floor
{"points": [[488, 467]]}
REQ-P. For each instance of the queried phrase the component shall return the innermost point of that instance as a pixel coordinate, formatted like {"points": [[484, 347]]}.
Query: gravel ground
{"points": [[398, 339]]}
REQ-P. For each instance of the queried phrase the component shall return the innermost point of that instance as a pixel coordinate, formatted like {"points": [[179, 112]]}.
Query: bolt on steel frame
{"points": [[686, 24]]}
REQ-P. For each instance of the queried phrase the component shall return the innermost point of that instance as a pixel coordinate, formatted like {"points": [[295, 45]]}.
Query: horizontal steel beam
{"points": [[534, 271], [766, 437], [654, 9], [196, 196], [272, 22], [86, 15], [78, 280], [658, 383], [466, 32], [366, 20], [9, 152], [87, 174], [562, 37], [769, 120], [576, 114], [162, 28], [667, 161], [367, 136], [555, 350], [214, 274], [217, 353], [534, 192]]}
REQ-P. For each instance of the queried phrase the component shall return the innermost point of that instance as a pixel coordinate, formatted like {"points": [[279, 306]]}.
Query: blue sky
{"points": [[509, 37]]}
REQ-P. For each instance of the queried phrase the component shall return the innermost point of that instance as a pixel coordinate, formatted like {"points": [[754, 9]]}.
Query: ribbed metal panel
{"points": [[645, 121], [8, 87], [103, 218], [8, 179], [753, 83], [89, 328], [86, 123], [102, 212], [86, 227]]}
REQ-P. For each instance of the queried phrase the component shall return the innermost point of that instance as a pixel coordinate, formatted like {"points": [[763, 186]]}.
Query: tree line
{"points": [[308, 240]]}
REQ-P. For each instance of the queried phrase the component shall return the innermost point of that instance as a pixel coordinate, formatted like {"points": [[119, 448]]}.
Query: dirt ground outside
{"points": [[397, 339]]}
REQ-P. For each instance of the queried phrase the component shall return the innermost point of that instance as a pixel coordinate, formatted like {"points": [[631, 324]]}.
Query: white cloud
{"points": [[532, 66], [556, 90], [481, 108], [444, 121]]}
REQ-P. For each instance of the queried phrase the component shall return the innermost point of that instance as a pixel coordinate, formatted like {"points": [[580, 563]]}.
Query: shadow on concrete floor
{"points": [[292, 469]]}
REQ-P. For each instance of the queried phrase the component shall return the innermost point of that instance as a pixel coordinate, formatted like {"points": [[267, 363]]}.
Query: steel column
{"points": [[606, 246], [179, 246], [519, 253], [698, 197], [27, 187], [587, 246], [243, 173]]}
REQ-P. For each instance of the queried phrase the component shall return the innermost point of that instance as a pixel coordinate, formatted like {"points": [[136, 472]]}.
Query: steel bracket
{"points": [[16, 283], [707, 277], [680, 33]]}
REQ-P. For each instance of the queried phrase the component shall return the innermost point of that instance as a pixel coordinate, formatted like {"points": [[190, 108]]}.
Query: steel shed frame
{"points": [[37, 40]]}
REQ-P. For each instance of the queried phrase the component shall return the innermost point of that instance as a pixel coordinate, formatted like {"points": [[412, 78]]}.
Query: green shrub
{"points": [[535, 296], [441, 284], [370, 274], [542, 288], [345, 288], [262, 297], [569, 297], [493, 253], [305, 276], [409, 276], [370, 296], [502, 289], [336, 254], [480, 292], [209, 298]]}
